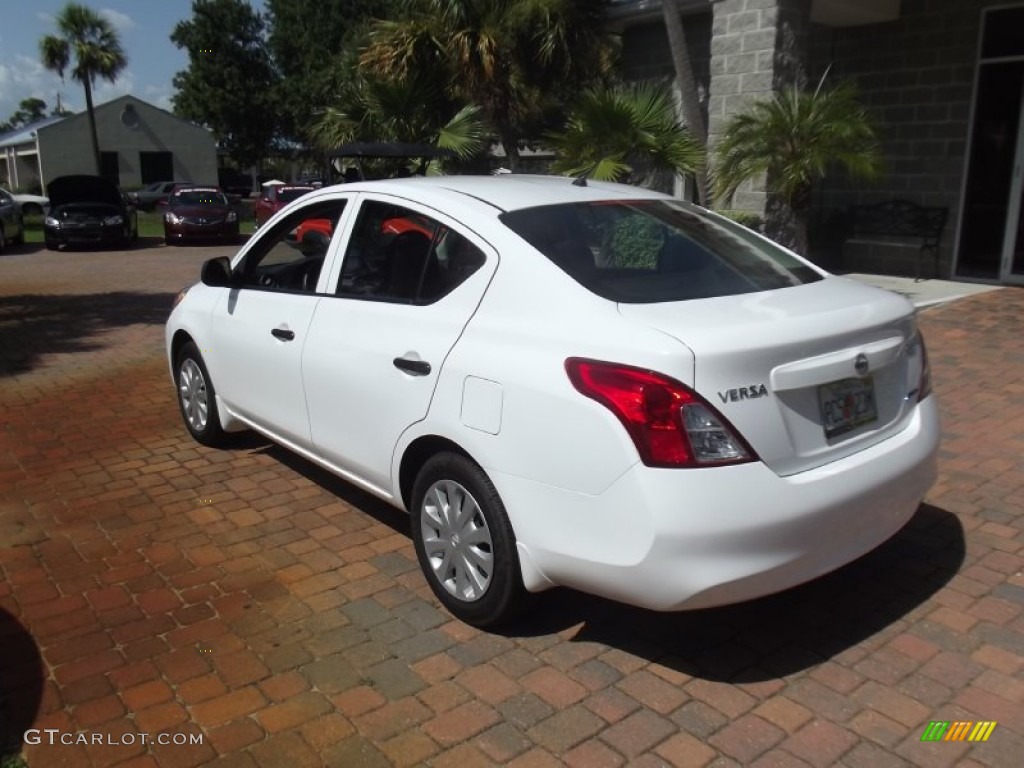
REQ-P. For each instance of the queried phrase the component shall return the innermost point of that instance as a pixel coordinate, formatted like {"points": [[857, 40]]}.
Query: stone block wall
{"points": [[916, 75], [757, 46]]}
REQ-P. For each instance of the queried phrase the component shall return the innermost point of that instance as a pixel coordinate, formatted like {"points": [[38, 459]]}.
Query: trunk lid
{"points": [[782, 364]]}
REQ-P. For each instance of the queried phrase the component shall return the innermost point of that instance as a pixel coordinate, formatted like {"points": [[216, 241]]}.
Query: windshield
{"points": [[199, 197], [287, 194], [649, 251]]}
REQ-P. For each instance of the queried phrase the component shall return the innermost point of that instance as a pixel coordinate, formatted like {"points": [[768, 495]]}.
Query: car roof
{"points": [[509, 192]]}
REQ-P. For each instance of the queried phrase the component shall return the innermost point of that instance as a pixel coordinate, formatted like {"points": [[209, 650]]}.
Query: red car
{"points": [[200, 213], [274, 197]]}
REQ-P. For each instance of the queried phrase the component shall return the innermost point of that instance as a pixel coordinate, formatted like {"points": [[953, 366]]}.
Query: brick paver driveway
{"points": [[153, 586]]}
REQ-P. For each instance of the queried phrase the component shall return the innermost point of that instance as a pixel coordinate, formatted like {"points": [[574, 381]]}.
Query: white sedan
{"points": [[566, 383], [31, 205]]}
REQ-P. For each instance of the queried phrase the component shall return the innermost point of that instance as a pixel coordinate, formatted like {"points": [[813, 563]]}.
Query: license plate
{"points": [[846, 405]]}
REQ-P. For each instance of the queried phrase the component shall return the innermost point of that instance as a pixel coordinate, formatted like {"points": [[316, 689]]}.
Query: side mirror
{"points": [[217, 273]]}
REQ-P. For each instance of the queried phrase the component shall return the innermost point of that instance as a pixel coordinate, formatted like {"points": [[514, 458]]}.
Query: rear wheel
{"points": [[197, 398], [464, 541], [3, 239]]}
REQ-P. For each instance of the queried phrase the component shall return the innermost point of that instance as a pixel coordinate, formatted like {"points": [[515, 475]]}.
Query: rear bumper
{"points": [[668, 539]]}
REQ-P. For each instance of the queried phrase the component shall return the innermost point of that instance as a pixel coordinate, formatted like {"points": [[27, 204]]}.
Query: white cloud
{"points": [[121, 21], [25, 77], [157, 95], [104, 91], [47, 18]]}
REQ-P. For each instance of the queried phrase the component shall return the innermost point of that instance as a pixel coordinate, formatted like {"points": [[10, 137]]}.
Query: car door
{"points": [[259, 328], [409, 282]]}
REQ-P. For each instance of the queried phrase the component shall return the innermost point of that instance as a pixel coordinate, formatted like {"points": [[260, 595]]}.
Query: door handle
{"points": [[281, 333], [415, 367]]}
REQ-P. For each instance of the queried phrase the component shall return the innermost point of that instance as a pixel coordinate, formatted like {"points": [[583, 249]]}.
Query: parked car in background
{"points": [[156, 193], [12, 221], [569, 383], [274, 197], [88, 210], [234, 182], [31, 205], [200, 213]]}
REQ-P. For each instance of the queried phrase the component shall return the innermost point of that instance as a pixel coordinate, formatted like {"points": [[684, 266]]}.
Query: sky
{"points": [[144, 27]]}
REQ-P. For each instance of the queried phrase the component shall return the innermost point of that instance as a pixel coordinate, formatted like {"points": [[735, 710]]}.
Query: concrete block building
{"points": [[139, 144], [944, 80]]}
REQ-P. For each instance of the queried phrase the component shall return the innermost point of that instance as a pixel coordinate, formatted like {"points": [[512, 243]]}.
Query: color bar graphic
{"points": [[958, 730]]}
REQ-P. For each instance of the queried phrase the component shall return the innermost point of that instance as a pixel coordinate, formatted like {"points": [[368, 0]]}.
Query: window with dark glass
{"points": [[290, 256], [655, 250], [396, 254]]}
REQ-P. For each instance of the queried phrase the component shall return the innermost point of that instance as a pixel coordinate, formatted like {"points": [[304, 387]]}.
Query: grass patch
{"points": [[12, 761]]}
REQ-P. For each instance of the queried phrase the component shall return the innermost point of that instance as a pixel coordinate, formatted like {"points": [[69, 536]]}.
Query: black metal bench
{"points": [[899, 220]]}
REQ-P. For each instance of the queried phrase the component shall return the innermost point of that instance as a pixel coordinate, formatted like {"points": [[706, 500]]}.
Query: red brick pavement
{"points": [[151, 585]]}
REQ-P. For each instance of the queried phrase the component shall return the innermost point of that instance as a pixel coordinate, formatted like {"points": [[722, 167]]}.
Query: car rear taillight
{"points": [[670, 424]]}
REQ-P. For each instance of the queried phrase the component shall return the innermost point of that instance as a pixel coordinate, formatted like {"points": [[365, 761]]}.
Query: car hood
{"points": [[83, 189]]}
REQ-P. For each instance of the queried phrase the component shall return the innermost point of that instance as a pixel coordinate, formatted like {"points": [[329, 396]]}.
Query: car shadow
{"points": [[21, 684], [21, 248], [780, 634], [364, 502], [33, 325], [753, 641]]}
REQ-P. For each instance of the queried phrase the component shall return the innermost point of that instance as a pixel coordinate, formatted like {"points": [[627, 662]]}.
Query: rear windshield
{"points": [[650, 251]]}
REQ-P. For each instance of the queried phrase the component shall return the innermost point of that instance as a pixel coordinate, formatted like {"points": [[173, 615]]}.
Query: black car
{"points": [[88, 210]]}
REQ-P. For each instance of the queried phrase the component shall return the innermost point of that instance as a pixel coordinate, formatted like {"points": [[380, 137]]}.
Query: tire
{"points": [[471, 566], [52, 245], [197, 399], [20, 239], [3, 239]]}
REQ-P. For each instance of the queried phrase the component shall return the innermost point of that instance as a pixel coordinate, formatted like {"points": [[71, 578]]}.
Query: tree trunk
{"points": [[92, 126], [511, 147], [692, 114]]}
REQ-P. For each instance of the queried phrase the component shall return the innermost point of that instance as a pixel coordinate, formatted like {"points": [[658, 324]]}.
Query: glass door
{"points": [[991, 240], [1012, 266]]}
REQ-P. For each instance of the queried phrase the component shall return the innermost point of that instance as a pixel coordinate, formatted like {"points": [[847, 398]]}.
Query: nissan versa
{"points": [[579, 384]]}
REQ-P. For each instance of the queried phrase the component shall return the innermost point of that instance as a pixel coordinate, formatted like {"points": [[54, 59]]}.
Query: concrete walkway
{"points": [[924, 293]]}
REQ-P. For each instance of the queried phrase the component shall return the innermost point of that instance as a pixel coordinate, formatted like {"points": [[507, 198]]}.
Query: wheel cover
{"points": [[456, 540], [192, 391]]}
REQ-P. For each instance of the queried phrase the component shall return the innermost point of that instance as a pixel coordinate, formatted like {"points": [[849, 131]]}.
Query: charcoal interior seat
{"points": [[406, 261]]}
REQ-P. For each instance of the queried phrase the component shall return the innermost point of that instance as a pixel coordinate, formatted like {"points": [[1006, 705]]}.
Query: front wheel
{"points": [[464, 541], [197, 398]]}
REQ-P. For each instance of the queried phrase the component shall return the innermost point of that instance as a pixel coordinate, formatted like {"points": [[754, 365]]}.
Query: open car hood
{"points": [[83, 189]]}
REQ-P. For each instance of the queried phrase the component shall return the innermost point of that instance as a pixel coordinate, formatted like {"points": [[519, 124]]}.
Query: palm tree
{"points": [[408, 110], [687, 84], [612, 133], [90, 40], [794, 138], [512, 57]]}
